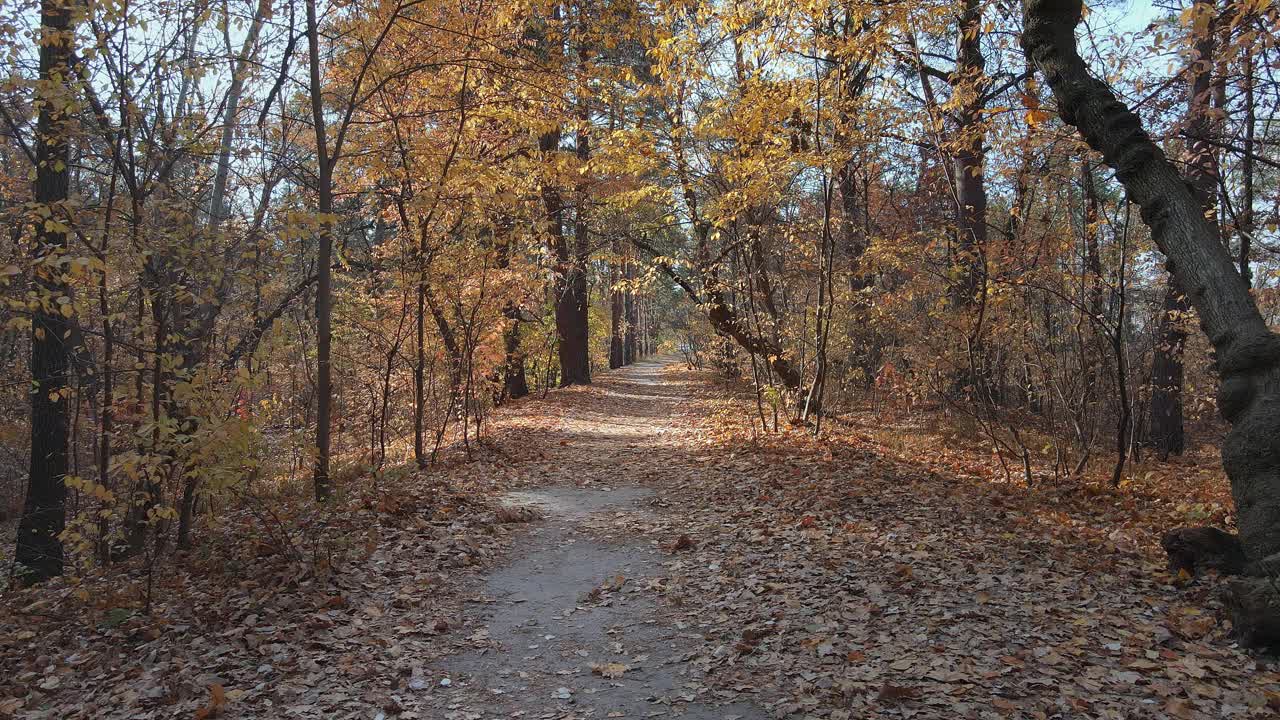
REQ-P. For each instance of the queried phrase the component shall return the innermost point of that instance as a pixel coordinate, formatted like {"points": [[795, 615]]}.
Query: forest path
{"points": [[573, 628], [680, 564]]}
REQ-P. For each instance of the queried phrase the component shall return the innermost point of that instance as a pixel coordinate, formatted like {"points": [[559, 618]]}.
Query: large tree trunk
{"points": [[571, 346], [571, 326], [575, 348], [971, 187], [1247, 352], [39, 548]]}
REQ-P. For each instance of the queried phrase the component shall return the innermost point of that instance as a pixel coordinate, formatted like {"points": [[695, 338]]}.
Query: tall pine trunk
{"points": [[616, 354], [629, 314]]}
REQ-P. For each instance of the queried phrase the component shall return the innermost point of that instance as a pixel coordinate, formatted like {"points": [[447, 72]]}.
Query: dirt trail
{"points": [[571, 628]]}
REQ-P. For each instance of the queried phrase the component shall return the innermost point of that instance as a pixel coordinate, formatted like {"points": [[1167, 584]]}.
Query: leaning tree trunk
{"points": [[1247, 352], [723, 317], [39, 549]]}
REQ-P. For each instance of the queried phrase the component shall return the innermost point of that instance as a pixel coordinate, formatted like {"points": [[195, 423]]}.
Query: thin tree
{"points": [[324, 290], [326, 160]]}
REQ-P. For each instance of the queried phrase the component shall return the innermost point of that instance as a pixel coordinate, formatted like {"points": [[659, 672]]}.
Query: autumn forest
{"points": [[747, 359]]}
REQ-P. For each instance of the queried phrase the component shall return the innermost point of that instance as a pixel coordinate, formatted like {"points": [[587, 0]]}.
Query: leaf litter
{"points": [[830, 578]]}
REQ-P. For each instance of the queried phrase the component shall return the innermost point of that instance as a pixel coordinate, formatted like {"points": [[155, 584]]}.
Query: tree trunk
{"points": [[324, 332], [616, 359], [571, 327], [39, 548], [723, 317], [1247, 352], [420, 372], [514, 383], [629, 316], [239, 70], [1165, 430], [1246, 169], [971, 189], [1090, 355], [968, 292], [568, 334], [107, 412], [575, 344]]}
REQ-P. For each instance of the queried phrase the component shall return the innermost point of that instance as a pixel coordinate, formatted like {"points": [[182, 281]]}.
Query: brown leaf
{"points": [[217, 701], [611, 671], [897, 693], [1003, 704]]}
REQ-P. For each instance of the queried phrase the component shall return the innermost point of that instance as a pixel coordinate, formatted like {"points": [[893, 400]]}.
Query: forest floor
{"points": [[634, 550]]}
